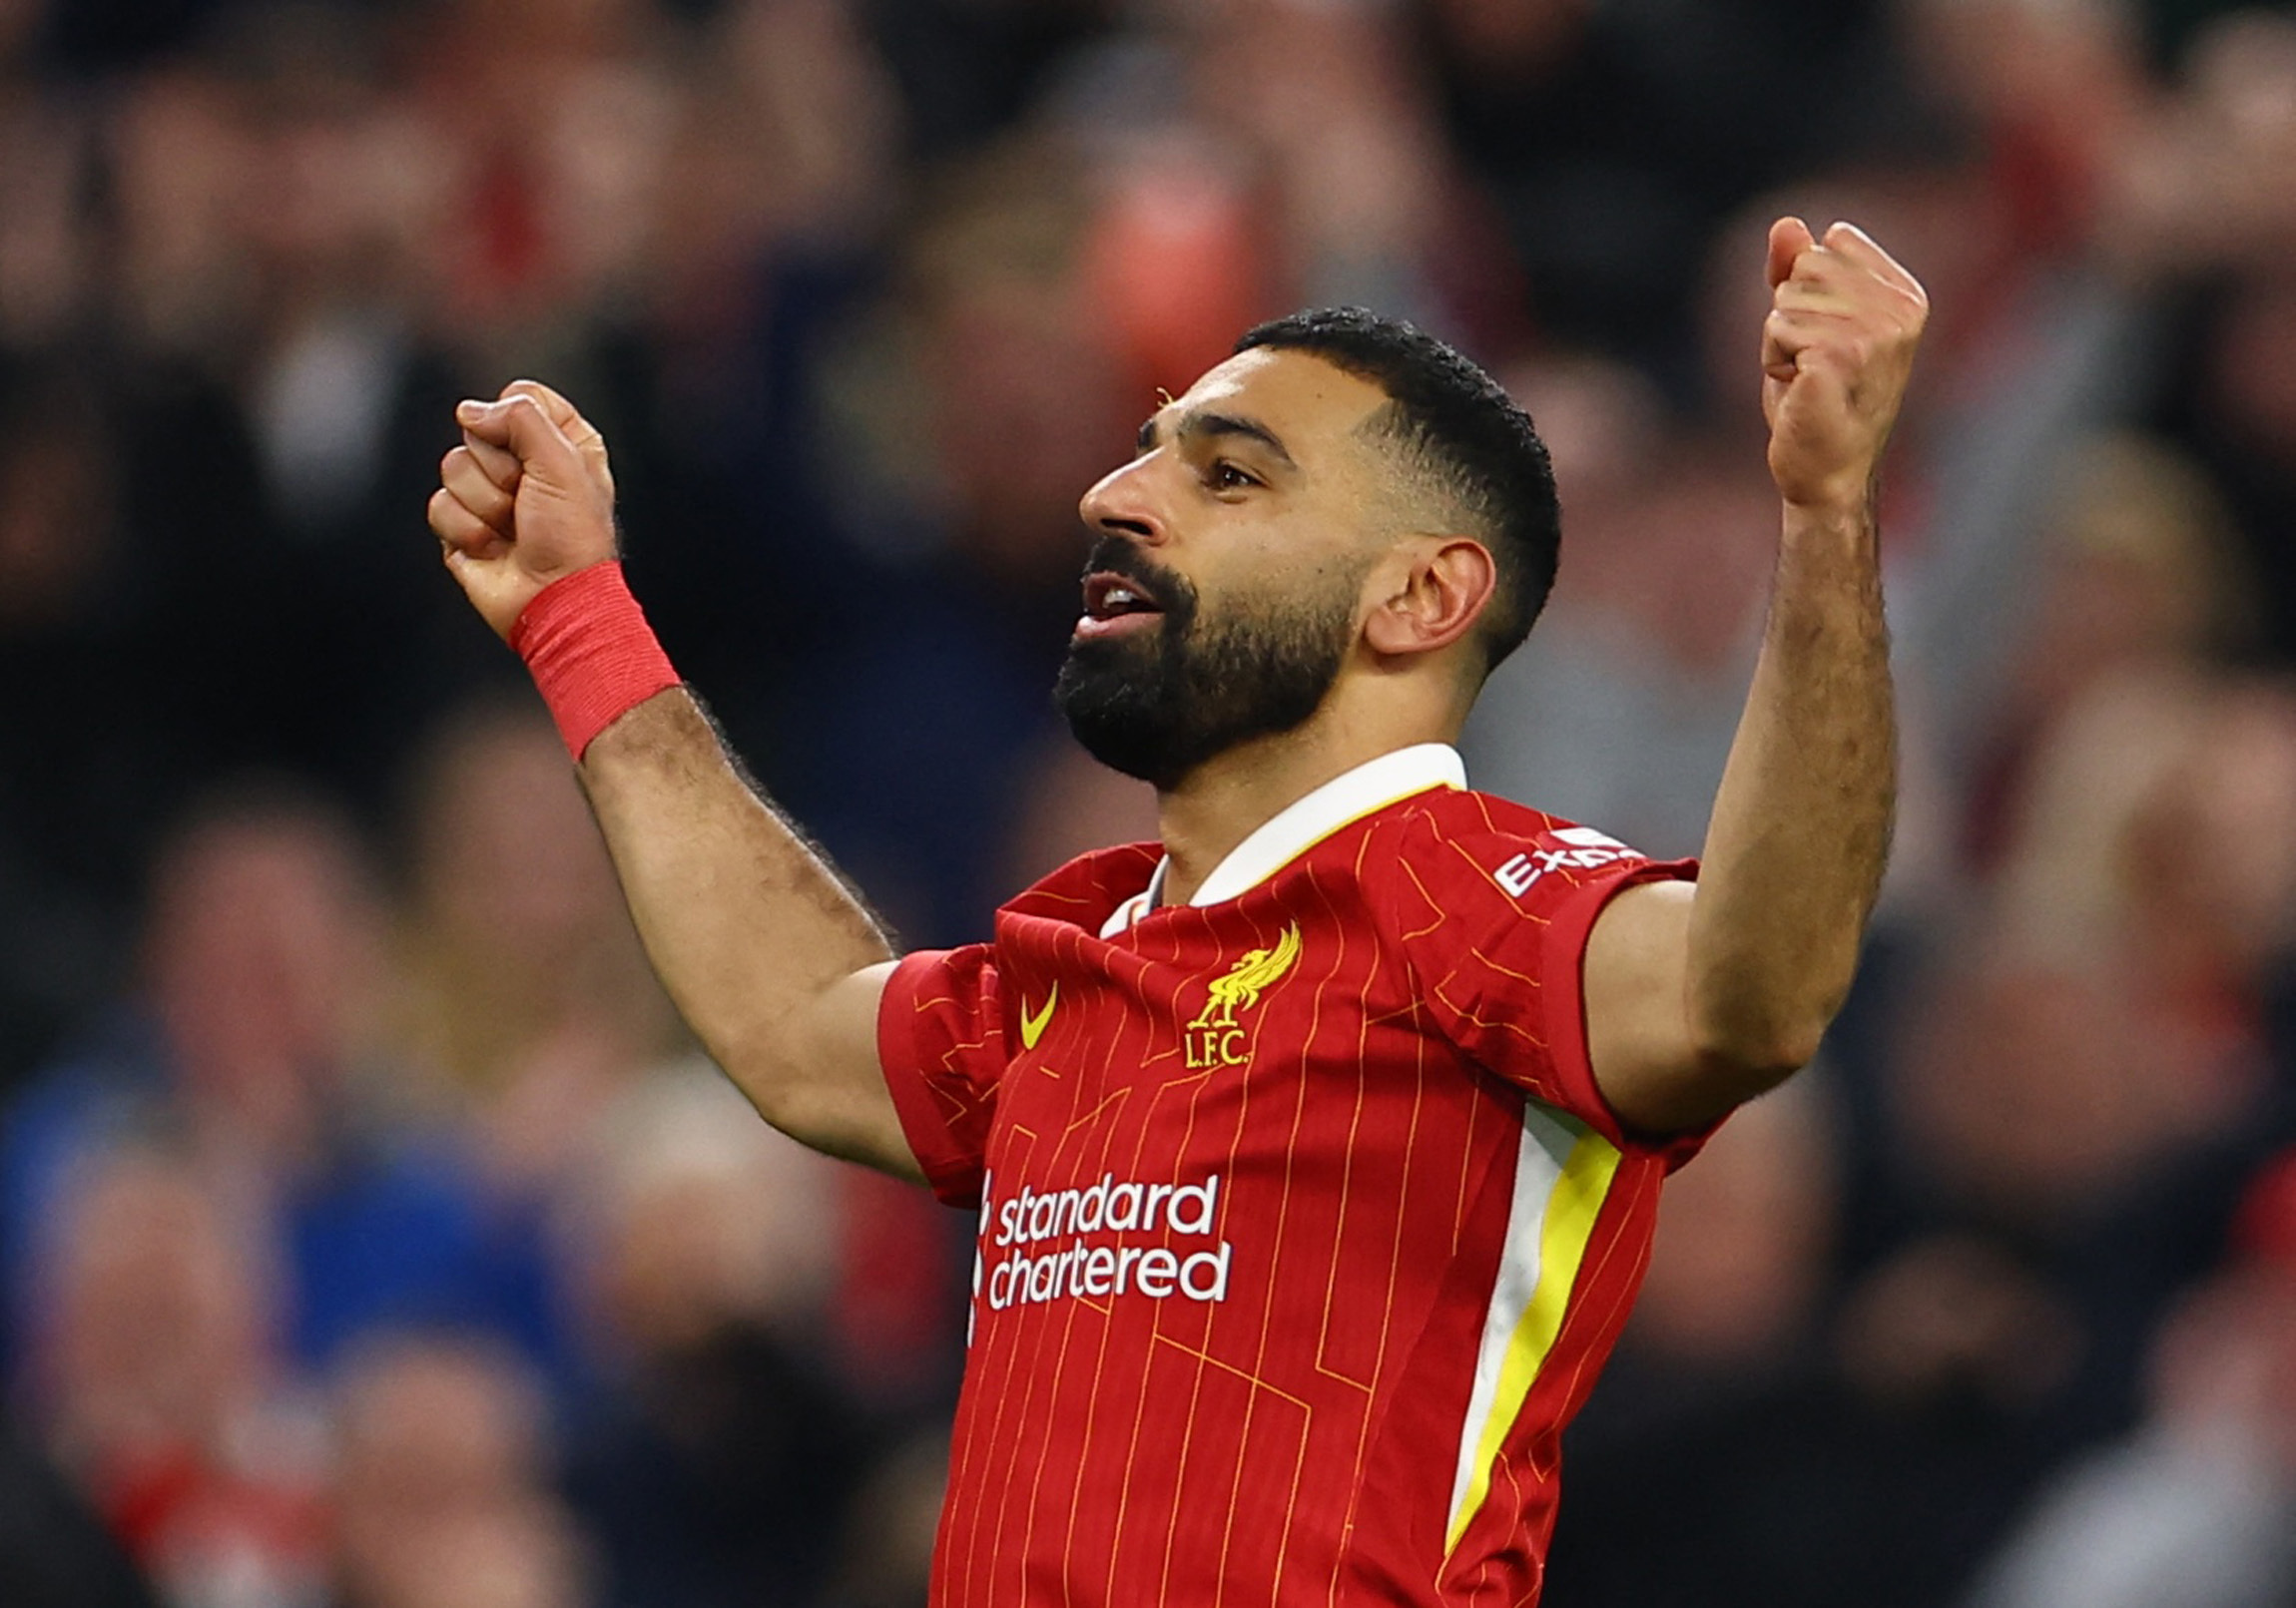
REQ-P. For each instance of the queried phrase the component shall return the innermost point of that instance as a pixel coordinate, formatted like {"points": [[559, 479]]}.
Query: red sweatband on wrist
{"points": [[591, 651]]}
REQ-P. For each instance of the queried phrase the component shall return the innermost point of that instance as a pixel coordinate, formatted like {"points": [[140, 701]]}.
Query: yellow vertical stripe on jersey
{"points": [[1564, 1229]]}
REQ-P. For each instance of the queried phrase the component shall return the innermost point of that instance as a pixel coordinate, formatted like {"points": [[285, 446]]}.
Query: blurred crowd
{"points": [[370, 1235]]}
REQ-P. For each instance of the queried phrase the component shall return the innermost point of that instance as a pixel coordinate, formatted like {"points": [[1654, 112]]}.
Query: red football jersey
{"points": [[1303, 1229]]}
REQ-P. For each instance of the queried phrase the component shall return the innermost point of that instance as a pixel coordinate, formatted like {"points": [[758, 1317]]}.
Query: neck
{"points": [[1228, 797]]}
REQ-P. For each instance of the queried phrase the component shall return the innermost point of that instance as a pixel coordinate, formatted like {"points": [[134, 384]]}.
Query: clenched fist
{"points": [[526, 499], [1837, 351]]}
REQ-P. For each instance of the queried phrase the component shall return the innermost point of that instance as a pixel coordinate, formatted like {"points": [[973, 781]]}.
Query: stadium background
{"points": [[368, 1235]]}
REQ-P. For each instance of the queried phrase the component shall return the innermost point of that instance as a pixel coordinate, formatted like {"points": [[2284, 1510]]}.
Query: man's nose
{"points": [[1122, 501]]}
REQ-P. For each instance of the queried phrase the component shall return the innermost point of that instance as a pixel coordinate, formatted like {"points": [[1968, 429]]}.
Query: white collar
{"points": [[1306, 821]]}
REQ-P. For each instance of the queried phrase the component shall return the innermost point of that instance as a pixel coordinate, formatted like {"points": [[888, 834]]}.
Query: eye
{"points": [[1225, 476]]}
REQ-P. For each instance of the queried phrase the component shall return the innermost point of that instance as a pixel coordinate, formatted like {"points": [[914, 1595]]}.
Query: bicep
{"points": [[1635, 984], [831, 1093]]}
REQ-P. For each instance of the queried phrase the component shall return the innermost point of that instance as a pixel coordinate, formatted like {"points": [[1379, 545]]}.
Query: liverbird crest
{"points": [[1247, 979]]}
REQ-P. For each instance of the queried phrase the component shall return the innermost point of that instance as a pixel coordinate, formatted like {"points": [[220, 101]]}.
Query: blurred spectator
{"points": [[1723, 1460], [2150, 848], [54, 1550], [2139, 575], [713, 1465], [1738, 1270], [253, 1050], [73, 674], [156, 1384], [2050, 91], [556, 121], [47, 148], [1761, 1440], [276, 207], [526, 1002], [752, 262], [442, 1494], [2198, 1506], [1621, 707], [975, 411], [2062, 1130], [1609, 209], [886, 1550]]}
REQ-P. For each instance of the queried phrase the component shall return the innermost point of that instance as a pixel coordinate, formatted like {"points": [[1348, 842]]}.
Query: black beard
{"points": [[1157, 703]]}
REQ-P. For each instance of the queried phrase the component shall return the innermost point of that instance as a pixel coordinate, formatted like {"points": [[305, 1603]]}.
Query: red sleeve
{"points": [[940, 1041], [1496, 925]]}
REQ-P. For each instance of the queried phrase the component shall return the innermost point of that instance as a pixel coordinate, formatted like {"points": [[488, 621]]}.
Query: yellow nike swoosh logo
{"points": [[1032, 1027]]}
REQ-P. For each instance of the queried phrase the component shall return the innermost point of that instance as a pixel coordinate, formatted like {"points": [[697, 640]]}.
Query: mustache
{"points": [[1120, 555]]}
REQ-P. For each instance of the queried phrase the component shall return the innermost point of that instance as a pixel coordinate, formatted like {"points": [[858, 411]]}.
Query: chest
{"points": [[1270, 1136], [1296, 1052]]}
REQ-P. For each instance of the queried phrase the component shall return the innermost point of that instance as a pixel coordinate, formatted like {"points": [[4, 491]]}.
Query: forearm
{"points": [[1800, 826], [1696, 1001], [773, 963], [747, 926]]}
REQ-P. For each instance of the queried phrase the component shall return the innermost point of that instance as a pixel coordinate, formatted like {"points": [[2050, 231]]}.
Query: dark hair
{"points": [[1469, 438]]}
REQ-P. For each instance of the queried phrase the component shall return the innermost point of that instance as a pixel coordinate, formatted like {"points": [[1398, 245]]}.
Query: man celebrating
{"points": [[1317, 1147]]}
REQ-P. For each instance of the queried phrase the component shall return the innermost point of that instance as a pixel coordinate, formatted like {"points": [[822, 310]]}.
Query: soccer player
{"points": [[1316, 1147]]}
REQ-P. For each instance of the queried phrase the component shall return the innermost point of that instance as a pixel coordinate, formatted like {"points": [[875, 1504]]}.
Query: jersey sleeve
{"points": [[940, 1043], [1496, 925]]}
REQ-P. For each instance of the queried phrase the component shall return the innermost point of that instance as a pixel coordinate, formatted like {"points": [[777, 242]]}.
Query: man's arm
{"points": [[1697, 999], [772, 960]]}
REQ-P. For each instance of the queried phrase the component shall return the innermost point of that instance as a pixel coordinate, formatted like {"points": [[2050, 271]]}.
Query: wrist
{"points": [[590, 651], [1844, 510]]}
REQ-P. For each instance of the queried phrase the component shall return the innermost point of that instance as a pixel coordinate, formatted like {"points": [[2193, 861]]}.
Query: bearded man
{"points": [[1316, 1147]]}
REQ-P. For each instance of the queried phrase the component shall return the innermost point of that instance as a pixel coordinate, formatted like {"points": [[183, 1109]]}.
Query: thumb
{"points": [[1789, 238]]}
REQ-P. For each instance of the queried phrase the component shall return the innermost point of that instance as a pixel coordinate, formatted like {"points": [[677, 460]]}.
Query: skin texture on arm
{"points": [[1697, 999], [772, 960], [776, 966]]}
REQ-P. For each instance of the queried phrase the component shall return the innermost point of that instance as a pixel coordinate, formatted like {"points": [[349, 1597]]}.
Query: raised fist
{"points": [[526, 499], [1837, 351]]}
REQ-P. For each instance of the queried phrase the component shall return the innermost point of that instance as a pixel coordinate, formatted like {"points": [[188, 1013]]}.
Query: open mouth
{"points": [[1115, 603]]}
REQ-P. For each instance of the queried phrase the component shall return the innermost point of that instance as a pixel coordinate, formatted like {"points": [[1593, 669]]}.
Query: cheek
{"points": [[1294, 557], [1302, 601], [1327, 577]]}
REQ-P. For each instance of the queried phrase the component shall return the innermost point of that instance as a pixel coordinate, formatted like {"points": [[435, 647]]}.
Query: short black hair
{"points": [[1473, 441]]}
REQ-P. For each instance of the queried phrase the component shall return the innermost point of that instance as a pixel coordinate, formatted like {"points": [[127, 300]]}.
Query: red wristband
{"points": [[591, 653]]}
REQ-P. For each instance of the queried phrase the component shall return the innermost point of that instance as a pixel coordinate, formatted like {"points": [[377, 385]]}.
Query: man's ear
{"points": [[1436, 589]]}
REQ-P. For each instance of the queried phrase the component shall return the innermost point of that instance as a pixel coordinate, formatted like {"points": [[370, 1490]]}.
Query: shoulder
{"points": [[1478, 838], [1086, 891]]}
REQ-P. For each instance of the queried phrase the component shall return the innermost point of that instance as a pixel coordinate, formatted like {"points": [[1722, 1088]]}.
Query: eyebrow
{"points": [[1204, 424]]}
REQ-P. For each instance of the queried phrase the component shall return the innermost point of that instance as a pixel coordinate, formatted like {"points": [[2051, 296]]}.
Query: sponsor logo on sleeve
{"points": [[1577, 849]]}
